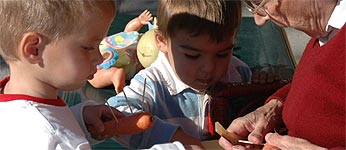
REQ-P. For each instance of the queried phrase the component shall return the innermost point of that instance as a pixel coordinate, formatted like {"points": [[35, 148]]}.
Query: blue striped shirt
{"points": [[173, 103]]}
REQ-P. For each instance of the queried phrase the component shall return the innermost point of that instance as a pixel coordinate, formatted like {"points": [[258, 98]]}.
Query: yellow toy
{"points": [[147, 50]]}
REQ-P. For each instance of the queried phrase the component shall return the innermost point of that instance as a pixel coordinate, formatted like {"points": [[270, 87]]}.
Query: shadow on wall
{"points": [[134, 7]]}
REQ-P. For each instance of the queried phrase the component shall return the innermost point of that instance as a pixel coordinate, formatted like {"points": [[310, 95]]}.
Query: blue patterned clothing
{"points": [[173, 103]]}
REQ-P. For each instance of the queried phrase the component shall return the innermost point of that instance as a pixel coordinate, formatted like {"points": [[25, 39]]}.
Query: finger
{"points": [[277, 140], [228, 146], [282, 142], [224, 143], [144, 12], [133, 124], [257, 135], [267, 146], [97, 124], [94, 116]]}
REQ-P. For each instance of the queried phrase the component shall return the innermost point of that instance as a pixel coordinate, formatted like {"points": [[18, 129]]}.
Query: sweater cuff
{"points": [[280, 94]]}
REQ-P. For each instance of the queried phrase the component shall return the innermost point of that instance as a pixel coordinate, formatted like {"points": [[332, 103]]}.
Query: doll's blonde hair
{"points": [[53, 19], [216, 18]]}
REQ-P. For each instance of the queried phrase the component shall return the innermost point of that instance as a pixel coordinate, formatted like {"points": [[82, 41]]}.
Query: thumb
{"points": [[268, 146], [272, 139], [97, 124]]}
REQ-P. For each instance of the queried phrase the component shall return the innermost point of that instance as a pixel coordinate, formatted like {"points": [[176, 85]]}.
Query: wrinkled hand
{"points": [[255, 125], [276, 142], [96, 115]]}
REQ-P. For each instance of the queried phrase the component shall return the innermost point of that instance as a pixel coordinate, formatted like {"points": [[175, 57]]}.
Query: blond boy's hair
{"points": [[53, 19], [216, 18]]}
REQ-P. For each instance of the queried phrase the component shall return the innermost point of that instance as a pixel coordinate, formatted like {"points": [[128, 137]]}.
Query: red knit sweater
{"points": [[314, 103]]}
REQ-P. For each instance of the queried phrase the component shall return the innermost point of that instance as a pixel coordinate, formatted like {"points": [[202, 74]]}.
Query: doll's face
{"points": [[197, 61]]}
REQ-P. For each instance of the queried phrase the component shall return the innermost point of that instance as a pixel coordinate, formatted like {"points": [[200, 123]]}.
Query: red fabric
{"points": [[11, 97], [280, 94], [4, 81], [211, 125], [314, 107]]}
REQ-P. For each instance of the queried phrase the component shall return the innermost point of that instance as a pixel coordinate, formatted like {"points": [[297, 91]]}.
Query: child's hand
{"points": [[95, 116], [129, 125], [137, 23], [145, 17]]}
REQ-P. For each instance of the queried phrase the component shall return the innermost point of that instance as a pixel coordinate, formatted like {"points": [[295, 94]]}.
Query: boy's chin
{"points": [[200, 89], [73, 87]]}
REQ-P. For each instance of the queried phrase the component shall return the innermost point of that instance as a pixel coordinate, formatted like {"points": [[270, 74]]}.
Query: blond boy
{"points": [[50, 45]]}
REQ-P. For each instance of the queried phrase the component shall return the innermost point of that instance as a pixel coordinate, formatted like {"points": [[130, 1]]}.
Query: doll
{"points": [[120, 53]]}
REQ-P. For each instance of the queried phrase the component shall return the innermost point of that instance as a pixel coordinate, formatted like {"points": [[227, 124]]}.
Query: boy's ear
{"points": [[30, 47], [161, 41]]}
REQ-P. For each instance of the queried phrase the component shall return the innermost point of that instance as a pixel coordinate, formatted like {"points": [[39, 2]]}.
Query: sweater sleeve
{"points": [[280, 94]]}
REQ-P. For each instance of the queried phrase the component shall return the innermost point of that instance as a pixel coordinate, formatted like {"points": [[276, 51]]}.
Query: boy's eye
{"points": [[191, 56], [88, 48], [223, 55]]}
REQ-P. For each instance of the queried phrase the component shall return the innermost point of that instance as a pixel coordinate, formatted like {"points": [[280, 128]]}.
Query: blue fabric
{"points": [[173, 103]]}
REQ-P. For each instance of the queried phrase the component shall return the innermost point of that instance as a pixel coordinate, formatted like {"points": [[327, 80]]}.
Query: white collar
{"points": [[336, 21], [174, 84]]}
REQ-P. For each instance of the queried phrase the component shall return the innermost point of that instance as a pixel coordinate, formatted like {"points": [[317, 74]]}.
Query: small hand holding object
{"points": [[115, 123], [97, 117]]}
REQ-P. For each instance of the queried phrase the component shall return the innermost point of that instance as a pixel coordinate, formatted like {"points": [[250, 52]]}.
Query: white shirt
{"points": [[336, 21]]}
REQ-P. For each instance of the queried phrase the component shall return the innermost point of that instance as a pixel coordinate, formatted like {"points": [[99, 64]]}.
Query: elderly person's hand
{"points": [[255, 125], [276, 142]]}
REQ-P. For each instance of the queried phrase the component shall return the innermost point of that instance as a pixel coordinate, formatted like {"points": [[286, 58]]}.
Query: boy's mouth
{"points": [[91, 77], [204, 82]]}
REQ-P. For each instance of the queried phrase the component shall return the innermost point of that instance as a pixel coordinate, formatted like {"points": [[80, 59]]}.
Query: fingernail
{"points": [[268, 136], [255, 138]]}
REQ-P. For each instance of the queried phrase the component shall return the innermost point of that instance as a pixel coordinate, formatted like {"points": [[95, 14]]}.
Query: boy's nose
{"points": [[208, 66]]}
